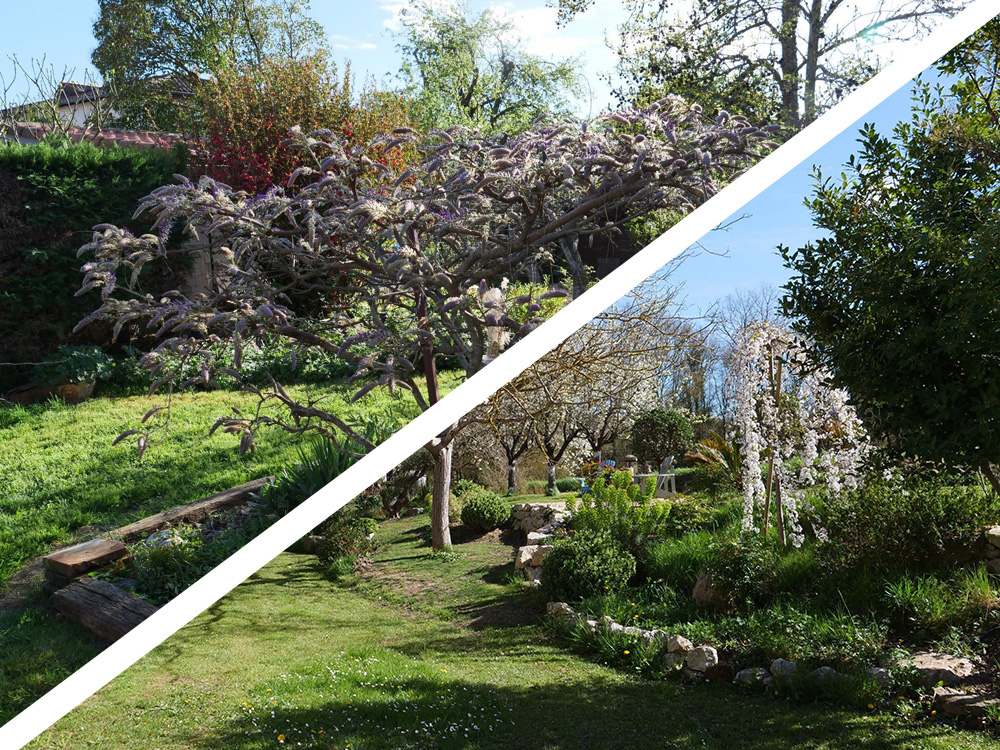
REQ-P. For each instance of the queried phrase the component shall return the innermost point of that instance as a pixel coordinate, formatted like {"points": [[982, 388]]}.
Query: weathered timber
{"points": [[83, 558], [103, 608], [192, 512]]}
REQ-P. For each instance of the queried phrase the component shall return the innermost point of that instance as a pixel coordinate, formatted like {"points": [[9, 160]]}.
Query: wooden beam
{"points": [[192, 512], [103, 608]]}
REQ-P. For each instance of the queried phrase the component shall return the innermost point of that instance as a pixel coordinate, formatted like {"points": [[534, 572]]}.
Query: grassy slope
{"points": [[59, 471], [426, 648]]}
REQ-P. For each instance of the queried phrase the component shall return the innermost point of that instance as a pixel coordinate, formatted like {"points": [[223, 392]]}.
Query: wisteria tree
{"points": [[786, 409], [391, 272]]}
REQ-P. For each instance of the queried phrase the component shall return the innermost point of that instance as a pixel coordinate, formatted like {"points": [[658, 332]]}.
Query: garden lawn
{"points": [[59, 471], [428, 651]]}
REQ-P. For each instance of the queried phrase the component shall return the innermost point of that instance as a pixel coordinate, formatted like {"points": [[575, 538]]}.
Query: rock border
{"points": [[944, 674]]}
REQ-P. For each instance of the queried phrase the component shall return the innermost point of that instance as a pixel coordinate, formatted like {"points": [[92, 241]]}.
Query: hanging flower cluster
{"points": [[783, 411]]}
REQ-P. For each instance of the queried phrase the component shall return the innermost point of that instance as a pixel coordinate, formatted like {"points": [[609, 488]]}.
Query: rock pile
{"points": [[537, 517], [540, 522]]}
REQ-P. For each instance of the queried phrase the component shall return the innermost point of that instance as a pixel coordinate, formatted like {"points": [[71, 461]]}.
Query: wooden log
{"points": [[103, 608], [192, 512], [82, 558]]}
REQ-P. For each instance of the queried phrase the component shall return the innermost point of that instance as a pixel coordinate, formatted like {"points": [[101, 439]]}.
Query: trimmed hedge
{"points": [[51, 196]]}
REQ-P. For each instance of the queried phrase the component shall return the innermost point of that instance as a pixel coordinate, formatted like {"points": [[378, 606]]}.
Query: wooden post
{"points": [[770, 461], [778, 510]]}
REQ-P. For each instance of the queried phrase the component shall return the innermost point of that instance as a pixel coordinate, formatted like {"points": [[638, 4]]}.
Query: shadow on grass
{"points": [[369, 708]]}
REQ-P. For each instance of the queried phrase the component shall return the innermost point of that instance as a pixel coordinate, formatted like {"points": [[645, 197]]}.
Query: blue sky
{"points": [[60, 30], [745, 254], [361, 32]]}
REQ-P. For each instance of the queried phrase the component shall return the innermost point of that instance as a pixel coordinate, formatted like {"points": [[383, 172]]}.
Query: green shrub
{"points": [[464, 486], [586, 564], [162, 572], [345, 534], [909, 525], [51, 196], [700, 514], [744, 569], [930, 605], [75, 364], [713, 479], [568, 484], [625, 510], [340, 567], [484, 511], [535, 486]]}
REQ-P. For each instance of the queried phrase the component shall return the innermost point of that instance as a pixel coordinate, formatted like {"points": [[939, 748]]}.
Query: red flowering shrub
{"points": [[245, 114]]}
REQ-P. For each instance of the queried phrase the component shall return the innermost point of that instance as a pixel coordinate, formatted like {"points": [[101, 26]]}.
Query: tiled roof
{"points": [[28, 132], [72, 93]]}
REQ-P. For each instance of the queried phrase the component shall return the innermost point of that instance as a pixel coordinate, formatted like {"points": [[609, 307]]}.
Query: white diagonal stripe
{"points": [[119, 656]]}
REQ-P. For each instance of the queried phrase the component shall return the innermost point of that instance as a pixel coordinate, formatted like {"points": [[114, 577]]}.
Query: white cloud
{"points": [[339, 41]]}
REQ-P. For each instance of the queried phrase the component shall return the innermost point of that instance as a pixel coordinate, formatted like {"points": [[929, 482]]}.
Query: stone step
{"points": [[83, 558], [103, 608]]}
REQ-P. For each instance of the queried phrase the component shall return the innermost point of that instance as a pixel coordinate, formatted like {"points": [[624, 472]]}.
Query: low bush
{"points": [[484, 511], [625, 510], [586, 564], [929, 606], [743, 569], [712, 479], [568, 484], [165, 569], [461, 487], [73, 364], [345, 534], [677, 562], [888, 525], [700, 514], [535, 486]]}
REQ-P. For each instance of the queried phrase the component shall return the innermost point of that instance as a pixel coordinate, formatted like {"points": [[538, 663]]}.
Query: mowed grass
{"points": [[428, 652], [60, 473]]}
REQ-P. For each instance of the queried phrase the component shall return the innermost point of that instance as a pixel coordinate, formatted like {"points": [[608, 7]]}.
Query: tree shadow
{"points": [[419, 711]]}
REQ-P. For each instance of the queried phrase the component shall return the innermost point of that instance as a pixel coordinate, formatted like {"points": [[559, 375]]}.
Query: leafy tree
{"points": [[472, 71], [660, 433], [246, 111], [147, 49], [428, 252], [902, 299], [775, 58]]}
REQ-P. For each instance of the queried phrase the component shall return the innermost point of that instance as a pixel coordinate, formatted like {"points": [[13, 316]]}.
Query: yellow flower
{"points": [[871, 705], [281, 738], [626, 652], [933, 712]]}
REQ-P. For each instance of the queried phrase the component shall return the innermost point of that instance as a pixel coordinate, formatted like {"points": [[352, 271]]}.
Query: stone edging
{"points": [[942, 673]]}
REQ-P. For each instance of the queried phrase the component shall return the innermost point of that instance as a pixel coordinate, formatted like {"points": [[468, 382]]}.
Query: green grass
{"points": [[63, 480], [59, 471], [428, 651]]}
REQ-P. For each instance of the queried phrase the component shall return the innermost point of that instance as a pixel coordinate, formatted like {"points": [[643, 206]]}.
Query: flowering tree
{"points": [[784, 410], [427, 251]]}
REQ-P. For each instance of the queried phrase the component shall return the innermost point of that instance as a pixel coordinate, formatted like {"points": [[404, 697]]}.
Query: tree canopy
{"points": [[149, 49], [774, 59], [475, 72], [902, 298]]}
